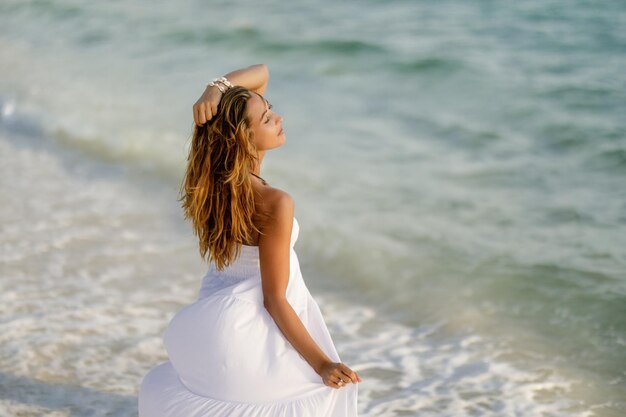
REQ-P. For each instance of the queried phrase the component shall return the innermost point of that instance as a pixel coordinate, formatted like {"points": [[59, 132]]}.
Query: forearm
{"points": [[253, 77], [292, 327]]}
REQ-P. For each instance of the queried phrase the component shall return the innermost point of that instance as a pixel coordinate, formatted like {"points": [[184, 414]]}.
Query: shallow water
{"points": [[458, 173]]}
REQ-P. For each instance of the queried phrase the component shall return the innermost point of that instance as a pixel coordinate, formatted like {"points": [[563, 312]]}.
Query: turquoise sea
{"points": [[459, 172]]}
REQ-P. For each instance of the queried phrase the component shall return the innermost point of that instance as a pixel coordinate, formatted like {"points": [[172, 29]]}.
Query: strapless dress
{"points": [[227, 356]]}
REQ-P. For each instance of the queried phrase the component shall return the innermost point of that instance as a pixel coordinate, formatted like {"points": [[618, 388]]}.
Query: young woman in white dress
{"points": [[254, 343]]}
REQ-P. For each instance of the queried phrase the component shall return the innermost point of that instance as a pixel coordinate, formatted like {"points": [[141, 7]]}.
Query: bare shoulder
{"points": [[274, 244], [279, 200], [277, 209]]}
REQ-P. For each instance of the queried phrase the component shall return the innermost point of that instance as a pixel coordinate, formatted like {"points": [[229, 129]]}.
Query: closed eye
{"points": [[268, 118]]}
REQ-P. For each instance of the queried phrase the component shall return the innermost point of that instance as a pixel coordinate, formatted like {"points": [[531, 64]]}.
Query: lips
{"points": [[281, 131]]}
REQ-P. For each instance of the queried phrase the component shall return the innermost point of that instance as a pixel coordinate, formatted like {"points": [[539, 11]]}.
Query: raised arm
{"points": [[274, 251], [254, 78]]}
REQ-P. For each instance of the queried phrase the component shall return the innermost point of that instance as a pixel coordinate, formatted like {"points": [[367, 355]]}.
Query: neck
{"points": [[257, 166]]}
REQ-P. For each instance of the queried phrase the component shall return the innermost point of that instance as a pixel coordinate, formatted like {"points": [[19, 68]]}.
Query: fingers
{"points": [[340, 382], [336, 381], [203, 112], [349, 373], [344, 375], [197, 115], [206, 106], [340, 375]]}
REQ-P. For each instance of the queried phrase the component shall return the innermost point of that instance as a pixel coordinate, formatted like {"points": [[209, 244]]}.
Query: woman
{"points": [[254, 343]]}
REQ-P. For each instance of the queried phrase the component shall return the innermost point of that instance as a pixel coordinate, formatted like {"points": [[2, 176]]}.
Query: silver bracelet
{"points": [[219, 86], [221, 83], [224, 81]]}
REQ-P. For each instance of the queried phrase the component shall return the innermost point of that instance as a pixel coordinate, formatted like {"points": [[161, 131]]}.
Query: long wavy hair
{"points": [[216, 191]]}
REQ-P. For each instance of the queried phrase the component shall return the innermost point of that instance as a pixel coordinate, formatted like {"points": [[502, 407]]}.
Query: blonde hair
{"points": [[216, 191]]}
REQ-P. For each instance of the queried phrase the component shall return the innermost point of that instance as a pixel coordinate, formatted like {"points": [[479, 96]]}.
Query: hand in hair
{"points": [[206, 106], [254, 78]]}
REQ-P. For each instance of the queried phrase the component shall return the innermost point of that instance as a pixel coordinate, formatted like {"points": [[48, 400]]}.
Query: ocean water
{"points": [[458, 169]]}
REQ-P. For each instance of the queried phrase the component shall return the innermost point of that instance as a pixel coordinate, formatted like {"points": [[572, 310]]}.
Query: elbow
{"points": [[272, 303], [266, 71]]}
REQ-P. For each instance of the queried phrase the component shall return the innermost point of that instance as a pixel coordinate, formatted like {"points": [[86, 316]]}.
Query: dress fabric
{"points": [[228, 357]]}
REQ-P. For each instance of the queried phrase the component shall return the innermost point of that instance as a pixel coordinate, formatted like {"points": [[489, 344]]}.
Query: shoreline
{"points": [[110, 275]]}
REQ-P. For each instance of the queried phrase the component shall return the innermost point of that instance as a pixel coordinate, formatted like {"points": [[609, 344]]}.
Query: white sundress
{"points": [[227, 356]]}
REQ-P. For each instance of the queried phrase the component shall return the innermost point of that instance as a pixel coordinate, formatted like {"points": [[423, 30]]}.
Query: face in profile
{"points": [[265, 124]]}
